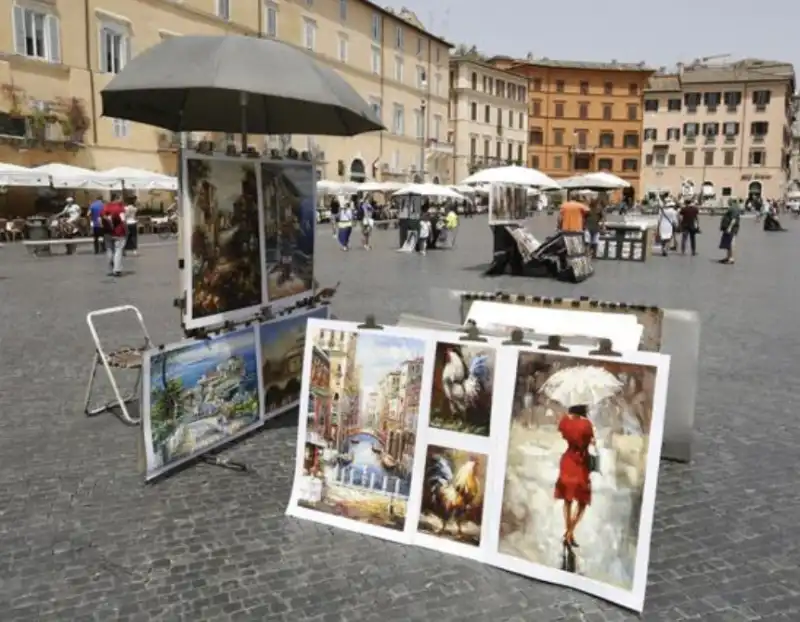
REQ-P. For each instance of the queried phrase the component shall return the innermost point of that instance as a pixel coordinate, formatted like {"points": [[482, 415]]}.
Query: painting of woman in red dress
{"points": [[574, 486]]}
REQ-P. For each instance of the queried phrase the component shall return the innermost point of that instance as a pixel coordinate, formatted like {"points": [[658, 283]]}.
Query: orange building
{"points": [[583, 117]]}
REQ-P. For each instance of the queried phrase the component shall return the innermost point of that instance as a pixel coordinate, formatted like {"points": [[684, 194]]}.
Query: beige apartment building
{"points": [[57, 55], [488, 116], [722, 128]]}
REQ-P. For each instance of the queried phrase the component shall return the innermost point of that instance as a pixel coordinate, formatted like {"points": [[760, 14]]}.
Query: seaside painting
{"points": [[199, 395]]}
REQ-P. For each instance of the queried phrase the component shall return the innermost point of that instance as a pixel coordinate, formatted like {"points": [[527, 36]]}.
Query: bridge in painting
{"points": [[377, 434]]}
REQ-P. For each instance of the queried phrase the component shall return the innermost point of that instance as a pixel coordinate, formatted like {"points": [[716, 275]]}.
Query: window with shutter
{"points": [[115, 47], [53, 39], [19, 30], [36, 34]]}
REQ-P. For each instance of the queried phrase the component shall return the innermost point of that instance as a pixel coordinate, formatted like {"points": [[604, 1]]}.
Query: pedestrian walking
{"points": [[729, 226], [336, 206], [113, 218], [132, 224], [667, 224], [424, 234], [690, 227], [98, 236], [344, 226]]}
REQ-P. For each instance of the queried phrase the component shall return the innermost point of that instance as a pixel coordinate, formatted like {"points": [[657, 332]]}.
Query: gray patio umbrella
{"points": [[236, 84]]}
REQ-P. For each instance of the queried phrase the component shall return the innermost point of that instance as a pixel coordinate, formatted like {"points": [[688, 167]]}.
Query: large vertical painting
{"points": [[508, 204], [288, 191], [358, 433], [581, 468], [198, 395], [222, 250], [282, 344]]}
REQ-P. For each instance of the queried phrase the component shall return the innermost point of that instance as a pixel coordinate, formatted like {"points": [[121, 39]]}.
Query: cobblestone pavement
{"points": [[81, 537]]}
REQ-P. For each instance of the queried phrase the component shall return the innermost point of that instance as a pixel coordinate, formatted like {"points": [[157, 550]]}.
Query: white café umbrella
{"points": [[582, 384], [430, 190], [13, 175], [464, 189], [327, 186], [66, 176], [594, 181], [139, 179], [380, 186], [516, 175]]}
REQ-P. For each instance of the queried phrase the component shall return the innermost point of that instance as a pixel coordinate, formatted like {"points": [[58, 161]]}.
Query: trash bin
{"points": [[37, 228]]}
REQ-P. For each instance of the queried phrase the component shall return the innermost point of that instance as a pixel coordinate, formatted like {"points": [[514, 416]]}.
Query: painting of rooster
{"points": [[461, 398], [452, 497]]}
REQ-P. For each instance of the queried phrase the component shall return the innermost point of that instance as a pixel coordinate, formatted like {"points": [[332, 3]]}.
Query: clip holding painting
{"points": [[554, 344], [605, 347], [517, 338], [370, 324], [472, 334]]}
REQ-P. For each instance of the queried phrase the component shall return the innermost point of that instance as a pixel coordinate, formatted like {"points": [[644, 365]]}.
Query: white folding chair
{"points": [[126, 358]]}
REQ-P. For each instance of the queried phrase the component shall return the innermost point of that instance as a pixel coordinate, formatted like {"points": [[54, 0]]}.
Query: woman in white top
{"points": [[667, 225], [132, 221]]}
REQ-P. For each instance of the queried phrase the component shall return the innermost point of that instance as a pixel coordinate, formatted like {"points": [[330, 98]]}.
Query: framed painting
{"points": [[288, 192], [198, 395], [221, 245], [282, 345], [508, 204], [577, 451]]}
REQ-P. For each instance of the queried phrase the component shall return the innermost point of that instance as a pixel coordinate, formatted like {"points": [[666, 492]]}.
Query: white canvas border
{"points": [[633, 598], [239, 315], [294, 509], [272, 414], [146, 405], [280, 304]]}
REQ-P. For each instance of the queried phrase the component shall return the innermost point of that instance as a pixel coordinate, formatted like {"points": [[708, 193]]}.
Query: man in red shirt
{"points": [[116, 232]]}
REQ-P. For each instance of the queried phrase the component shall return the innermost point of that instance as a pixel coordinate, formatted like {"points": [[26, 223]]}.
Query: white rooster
{"points": [[462, 384]]}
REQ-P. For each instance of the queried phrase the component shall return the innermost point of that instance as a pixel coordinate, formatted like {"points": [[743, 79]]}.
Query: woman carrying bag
{"points": [[667, 224]]}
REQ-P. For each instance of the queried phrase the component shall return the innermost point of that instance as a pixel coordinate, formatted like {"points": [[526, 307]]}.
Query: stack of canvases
{"points": [[543, 463], [247, 259]]}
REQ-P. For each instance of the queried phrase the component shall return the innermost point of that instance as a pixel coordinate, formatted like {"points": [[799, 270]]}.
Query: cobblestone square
{"points": [[82, 538]]}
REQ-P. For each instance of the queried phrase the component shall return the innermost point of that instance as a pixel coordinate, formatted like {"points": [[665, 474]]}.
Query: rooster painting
{"points": [[462, 396], [453, 494]]}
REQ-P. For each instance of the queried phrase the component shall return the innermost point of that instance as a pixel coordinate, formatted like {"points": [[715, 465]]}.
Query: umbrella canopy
{"points": [[463, 189], [429, 190], [517, 175], [13, 175], [380, 186], [66, 176], [583, 384], [326, 186], [594, 181], [236, 83], [139, 179]]}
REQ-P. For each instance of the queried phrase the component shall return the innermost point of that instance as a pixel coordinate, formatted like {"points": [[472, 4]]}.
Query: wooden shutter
{"points": [[53, 30], [103, 64], [19, 30]]}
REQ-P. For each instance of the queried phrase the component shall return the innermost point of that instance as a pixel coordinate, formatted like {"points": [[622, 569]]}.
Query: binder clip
{"points": [[472, 334], [554, 344], [605, 348], [575, 304], [370, 324], [517, 338]]}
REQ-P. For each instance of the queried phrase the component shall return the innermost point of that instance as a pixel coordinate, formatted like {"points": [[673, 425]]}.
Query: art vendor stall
{"points": [[625, 242], [534, 459], [246, 239]]}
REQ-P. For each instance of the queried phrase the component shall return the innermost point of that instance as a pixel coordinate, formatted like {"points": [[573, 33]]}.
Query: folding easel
{"points": [[125, 358]]}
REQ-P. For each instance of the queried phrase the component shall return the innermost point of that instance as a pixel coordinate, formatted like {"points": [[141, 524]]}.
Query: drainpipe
{"points": [[87, 23]]}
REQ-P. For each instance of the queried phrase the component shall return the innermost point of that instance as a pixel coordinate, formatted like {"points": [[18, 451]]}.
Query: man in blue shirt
{"points": [[95, 209]]}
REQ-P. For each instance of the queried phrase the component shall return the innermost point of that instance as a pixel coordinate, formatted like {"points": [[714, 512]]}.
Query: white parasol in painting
{"points": [[583, 384]]}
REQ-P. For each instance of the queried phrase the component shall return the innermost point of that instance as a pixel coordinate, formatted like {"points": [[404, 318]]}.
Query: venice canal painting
{"points": [[362, 425], [202, 394]]}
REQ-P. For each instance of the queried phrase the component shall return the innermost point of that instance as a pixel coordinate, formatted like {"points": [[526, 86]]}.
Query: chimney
{"points": [[680, 69]]}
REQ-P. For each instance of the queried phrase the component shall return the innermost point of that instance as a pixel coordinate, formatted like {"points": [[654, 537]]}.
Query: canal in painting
{"points": [[366, 470]]}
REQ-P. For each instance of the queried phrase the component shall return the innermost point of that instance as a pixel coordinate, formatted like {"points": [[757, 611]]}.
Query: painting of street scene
{"points": [[577, 465], [201, 394], [225, 247], [507, 203], [282, 344], [452, 495], [461, 397], [362, 425], [290, 218]]}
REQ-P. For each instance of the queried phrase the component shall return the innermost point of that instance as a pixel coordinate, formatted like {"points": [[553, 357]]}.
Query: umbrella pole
{"points": [[243, 107]]}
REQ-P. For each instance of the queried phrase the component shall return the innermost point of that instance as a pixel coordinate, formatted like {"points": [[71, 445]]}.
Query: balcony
{"points": [[690, 139], [730, 139], [582, 148], [710, 140], [757, 140], [38, 130], [435, 146], [478, 163]]}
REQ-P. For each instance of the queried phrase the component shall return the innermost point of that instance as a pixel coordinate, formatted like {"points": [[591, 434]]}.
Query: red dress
{"points": [[573, 474]]}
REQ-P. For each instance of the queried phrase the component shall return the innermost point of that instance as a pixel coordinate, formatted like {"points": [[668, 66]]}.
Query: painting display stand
{"points": [[464, 443], [128, 358], [670, 331]]}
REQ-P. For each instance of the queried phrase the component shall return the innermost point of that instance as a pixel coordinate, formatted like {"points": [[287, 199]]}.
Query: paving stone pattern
{"points": [[82, 538]]}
